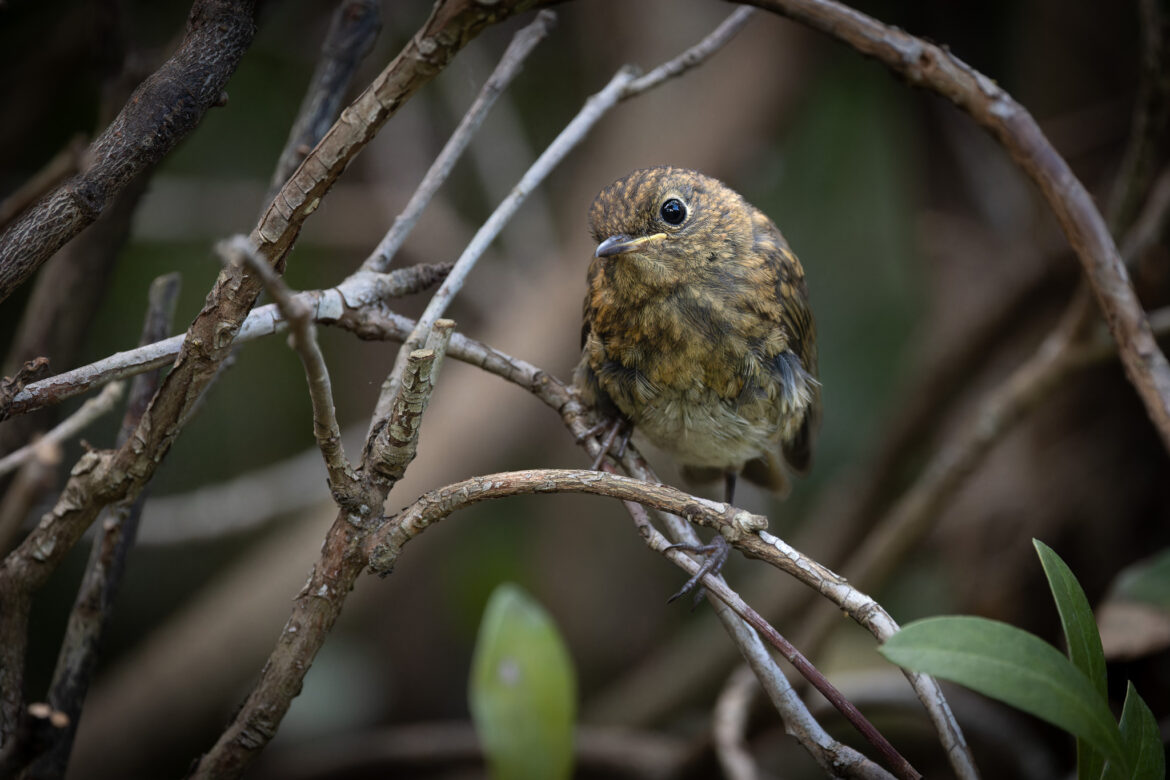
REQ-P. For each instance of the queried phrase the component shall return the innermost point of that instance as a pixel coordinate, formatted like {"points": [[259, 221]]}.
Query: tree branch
{"points": [[160, 113]]}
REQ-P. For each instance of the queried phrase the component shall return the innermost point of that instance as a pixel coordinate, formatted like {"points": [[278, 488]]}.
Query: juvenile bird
{"points": [[697, 331]]}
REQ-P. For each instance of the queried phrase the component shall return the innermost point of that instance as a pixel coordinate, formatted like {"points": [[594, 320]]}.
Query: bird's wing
{"points": [[794, 317]]}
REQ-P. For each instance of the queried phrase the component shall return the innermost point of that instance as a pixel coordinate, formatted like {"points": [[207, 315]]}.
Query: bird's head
{"points": [[663, 226]]}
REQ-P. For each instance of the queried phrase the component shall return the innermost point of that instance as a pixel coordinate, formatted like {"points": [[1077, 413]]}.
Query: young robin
{"points": [[698, 332]]}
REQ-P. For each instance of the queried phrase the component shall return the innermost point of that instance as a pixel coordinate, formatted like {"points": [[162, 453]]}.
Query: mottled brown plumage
{"points": [[697, 327]]}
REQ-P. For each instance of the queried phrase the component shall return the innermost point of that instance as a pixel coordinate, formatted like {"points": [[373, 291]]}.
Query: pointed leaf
{"points": [[1142, 741], [1083, 640], [522, 690], [1010, 665]]}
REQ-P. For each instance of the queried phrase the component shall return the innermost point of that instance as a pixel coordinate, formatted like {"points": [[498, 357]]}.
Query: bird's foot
{"points": [[618, 429], [716, 551]]}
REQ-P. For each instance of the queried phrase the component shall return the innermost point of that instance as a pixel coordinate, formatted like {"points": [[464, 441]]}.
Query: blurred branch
{"points": [[352, 31], [509, 66], [90, 411], [1145, 151], [622, 86], [303, 339], [64, 164], [94, 604], [927, 65], [729, 723], [162, 111]]}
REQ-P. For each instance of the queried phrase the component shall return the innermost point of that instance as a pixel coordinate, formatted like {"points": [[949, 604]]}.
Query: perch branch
{"points": [[926, 65], [735, 524]]}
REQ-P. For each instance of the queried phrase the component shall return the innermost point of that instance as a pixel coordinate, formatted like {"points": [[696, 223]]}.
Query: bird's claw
{"points": [[716, 551], [618, 429]]}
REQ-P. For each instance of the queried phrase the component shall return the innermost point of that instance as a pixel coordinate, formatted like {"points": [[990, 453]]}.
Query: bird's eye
{"points": [[674, 211]]}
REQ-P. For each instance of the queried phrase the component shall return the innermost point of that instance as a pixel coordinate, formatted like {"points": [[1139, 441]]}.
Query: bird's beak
{"points": [[619, 245]]}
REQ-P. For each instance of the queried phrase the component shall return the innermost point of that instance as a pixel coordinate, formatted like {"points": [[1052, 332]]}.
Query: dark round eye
{"points": [[673, 212]]}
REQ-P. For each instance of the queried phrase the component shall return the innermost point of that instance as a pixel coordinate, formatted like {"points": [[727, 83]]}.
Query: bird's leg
{"points": [[717, 550], [619, 426]]}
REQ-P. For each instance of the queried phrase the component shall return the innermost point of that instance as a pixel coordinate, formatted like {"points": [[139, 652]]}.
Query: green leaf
{"points": [[522, 690], [1142, 742], [1010, 665], [1083, 640], [1147, 581]]}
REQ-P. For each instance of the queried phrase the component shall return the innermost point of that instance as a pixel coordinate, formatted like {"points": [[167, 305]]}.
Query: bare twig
{"points": [[624, 85], [352, 32], [509, 66], [359, 290], [927, 65], [68, 428], [164, 109], [303, 338]]}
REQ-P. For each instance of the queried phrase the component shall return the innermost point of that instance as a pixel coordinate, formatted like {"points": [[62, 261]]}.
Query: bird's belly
{"points": [[699, 428]]}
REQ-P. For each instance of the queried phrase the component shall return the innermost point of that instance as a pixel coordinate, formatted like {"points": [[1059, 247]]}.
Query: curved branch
{"points": [[735, 524], [926, 65]]}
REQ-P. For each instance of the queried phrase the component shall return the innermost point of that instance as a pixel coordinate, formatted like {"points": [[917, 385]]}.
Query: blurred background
{"points": [[921, 244]]}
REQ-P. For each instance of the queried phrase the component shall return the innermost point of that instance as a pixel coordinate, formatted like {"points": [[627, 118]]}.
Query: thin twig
{"points": [[508, 68], [90, 411], [303, 339], [623, 85], [933, 67], [356, 291]]}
